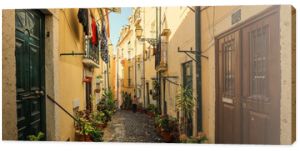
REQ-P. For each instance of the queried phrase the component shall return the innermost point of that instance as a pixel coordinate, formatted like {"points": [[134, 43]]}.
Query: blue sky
{"points": [[116, 22]]}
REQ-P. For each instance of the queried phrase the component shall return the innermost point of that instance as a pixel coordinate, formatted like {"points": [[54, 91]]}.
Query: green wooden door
{"points": [[30, 72]]}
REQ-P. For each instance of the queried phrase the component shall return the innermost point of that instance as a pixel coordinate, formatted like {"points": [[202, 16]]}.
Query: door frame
{"points": [[269, 11]]}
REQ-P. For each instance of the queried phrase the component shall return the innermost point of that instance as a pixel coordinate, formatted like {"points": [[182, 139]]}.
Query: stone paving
{"points": [[127, 126]]}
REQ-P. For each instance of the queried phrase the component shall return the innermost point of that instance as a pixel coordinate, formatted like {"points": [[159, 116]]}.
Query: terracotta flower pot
{"points": [[151, 114], [166, 136], [79, 137], [158, 130]]}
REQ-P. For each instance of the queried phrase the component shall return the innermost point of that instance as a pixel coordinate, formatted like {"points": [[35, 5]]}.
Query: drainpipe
{"points": [[156, 47], [198, 66]]}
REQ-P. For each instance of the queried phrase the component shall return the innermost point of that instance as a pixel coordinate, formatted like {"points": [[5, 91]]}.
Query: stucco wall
{"points": [[286, 74], [9, 114], [51, 72], [72, 71]]}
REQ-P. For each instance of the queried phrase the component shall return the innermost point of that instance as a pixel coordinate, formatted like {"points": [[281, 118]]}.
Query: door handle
{"points": [[41, 93]]}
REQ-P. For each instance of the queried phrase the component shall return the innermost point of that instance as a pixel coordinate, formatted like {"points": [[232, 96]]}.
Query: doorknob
{"points": [[42, 93], [39, 92]]}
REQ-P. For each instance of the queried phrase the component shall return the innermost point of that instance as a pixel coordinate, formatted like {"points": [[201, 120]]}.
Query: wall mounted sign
{"points": [[236, 17]]}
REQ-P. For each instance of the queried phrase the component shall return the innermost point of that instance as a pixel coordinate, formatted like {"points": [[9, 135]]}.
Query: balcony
{"points": [[91, 57]]}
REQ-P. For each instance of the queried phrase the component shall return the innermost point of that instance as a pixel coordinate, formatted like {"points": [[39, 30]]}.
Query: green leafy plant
{"points": [[37, 137], [156, 88], [109, 100], [185, 104], [96, 135], [151, 108]]}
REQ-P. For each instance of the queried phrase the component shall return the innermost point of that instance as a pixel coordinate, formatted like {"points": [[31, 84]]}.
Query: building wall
{"points": [[293, 74], [72, 71], [148, 24], [9, 118], [286, 60], [51, 71]]}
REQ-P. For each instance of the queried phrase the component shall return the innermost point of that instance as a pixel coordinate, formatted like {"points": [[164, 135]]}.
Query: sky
{"points": [[116, 23]]}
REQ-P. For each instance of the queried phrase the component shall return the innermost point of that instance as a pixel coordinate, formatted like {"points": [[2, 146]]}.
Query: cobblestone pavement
{"points": [[126, 126]]}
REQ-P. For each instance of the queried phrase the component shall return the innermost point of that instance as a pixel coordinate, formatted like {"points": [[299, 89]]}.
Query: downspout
{"points": [[156, 50], [198, 66]]}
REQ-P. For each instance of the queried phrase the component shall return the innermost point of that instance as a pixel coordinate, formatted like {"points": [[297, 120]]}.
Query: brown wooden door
{"points": [[229, 113], [261, 81], [248, 95]]}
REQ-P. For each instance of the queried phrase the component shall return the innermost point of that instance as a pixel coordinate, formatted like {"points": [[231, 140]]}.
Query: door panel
{"points": [[261, 82], [228, 100], [29, 73]]}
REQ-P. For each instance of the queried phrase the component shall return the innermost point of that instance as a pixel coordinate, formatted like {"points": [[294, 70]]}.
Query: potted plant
{"points": [[96, 135], [200, 138], [165, 129], [99, 120], [173, 125], [83, 134], [157, 121], [185, 104], [151, 110]]}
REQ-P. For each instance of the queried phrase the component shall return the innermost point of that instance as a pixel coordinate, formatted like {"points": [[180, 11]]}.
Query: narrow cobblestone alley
{"points": [[130, 127]]}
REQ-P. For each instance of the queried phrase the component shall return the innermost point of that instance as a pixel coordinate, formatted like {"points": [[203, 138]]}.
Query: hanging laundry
{"points": [[103, 44], [83, 19], [94, 33]]}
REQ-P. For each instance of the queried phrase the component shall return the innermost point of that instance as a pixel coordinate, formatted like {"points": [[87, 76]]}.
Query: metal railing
{"points": [[92, 52], [53, 101]]}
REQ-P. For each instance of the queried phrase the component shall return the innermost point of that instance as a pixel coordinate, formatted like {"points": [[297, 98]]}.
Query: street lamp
{"points": [[138, 31], [138, 34]]}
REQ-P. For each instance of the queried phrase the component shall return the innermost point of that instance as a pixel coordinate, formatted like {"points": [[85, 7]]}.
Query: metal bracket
{"points": [[167, 78], [73, 54], [151, 41], [191, 51]]}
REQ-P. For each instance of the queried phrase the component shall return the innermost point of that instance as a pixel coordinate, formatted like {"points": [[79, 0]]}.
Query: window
{"points": [[228, 68], [129, 78], [258, 61], [129, 55], [187, 75]]}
